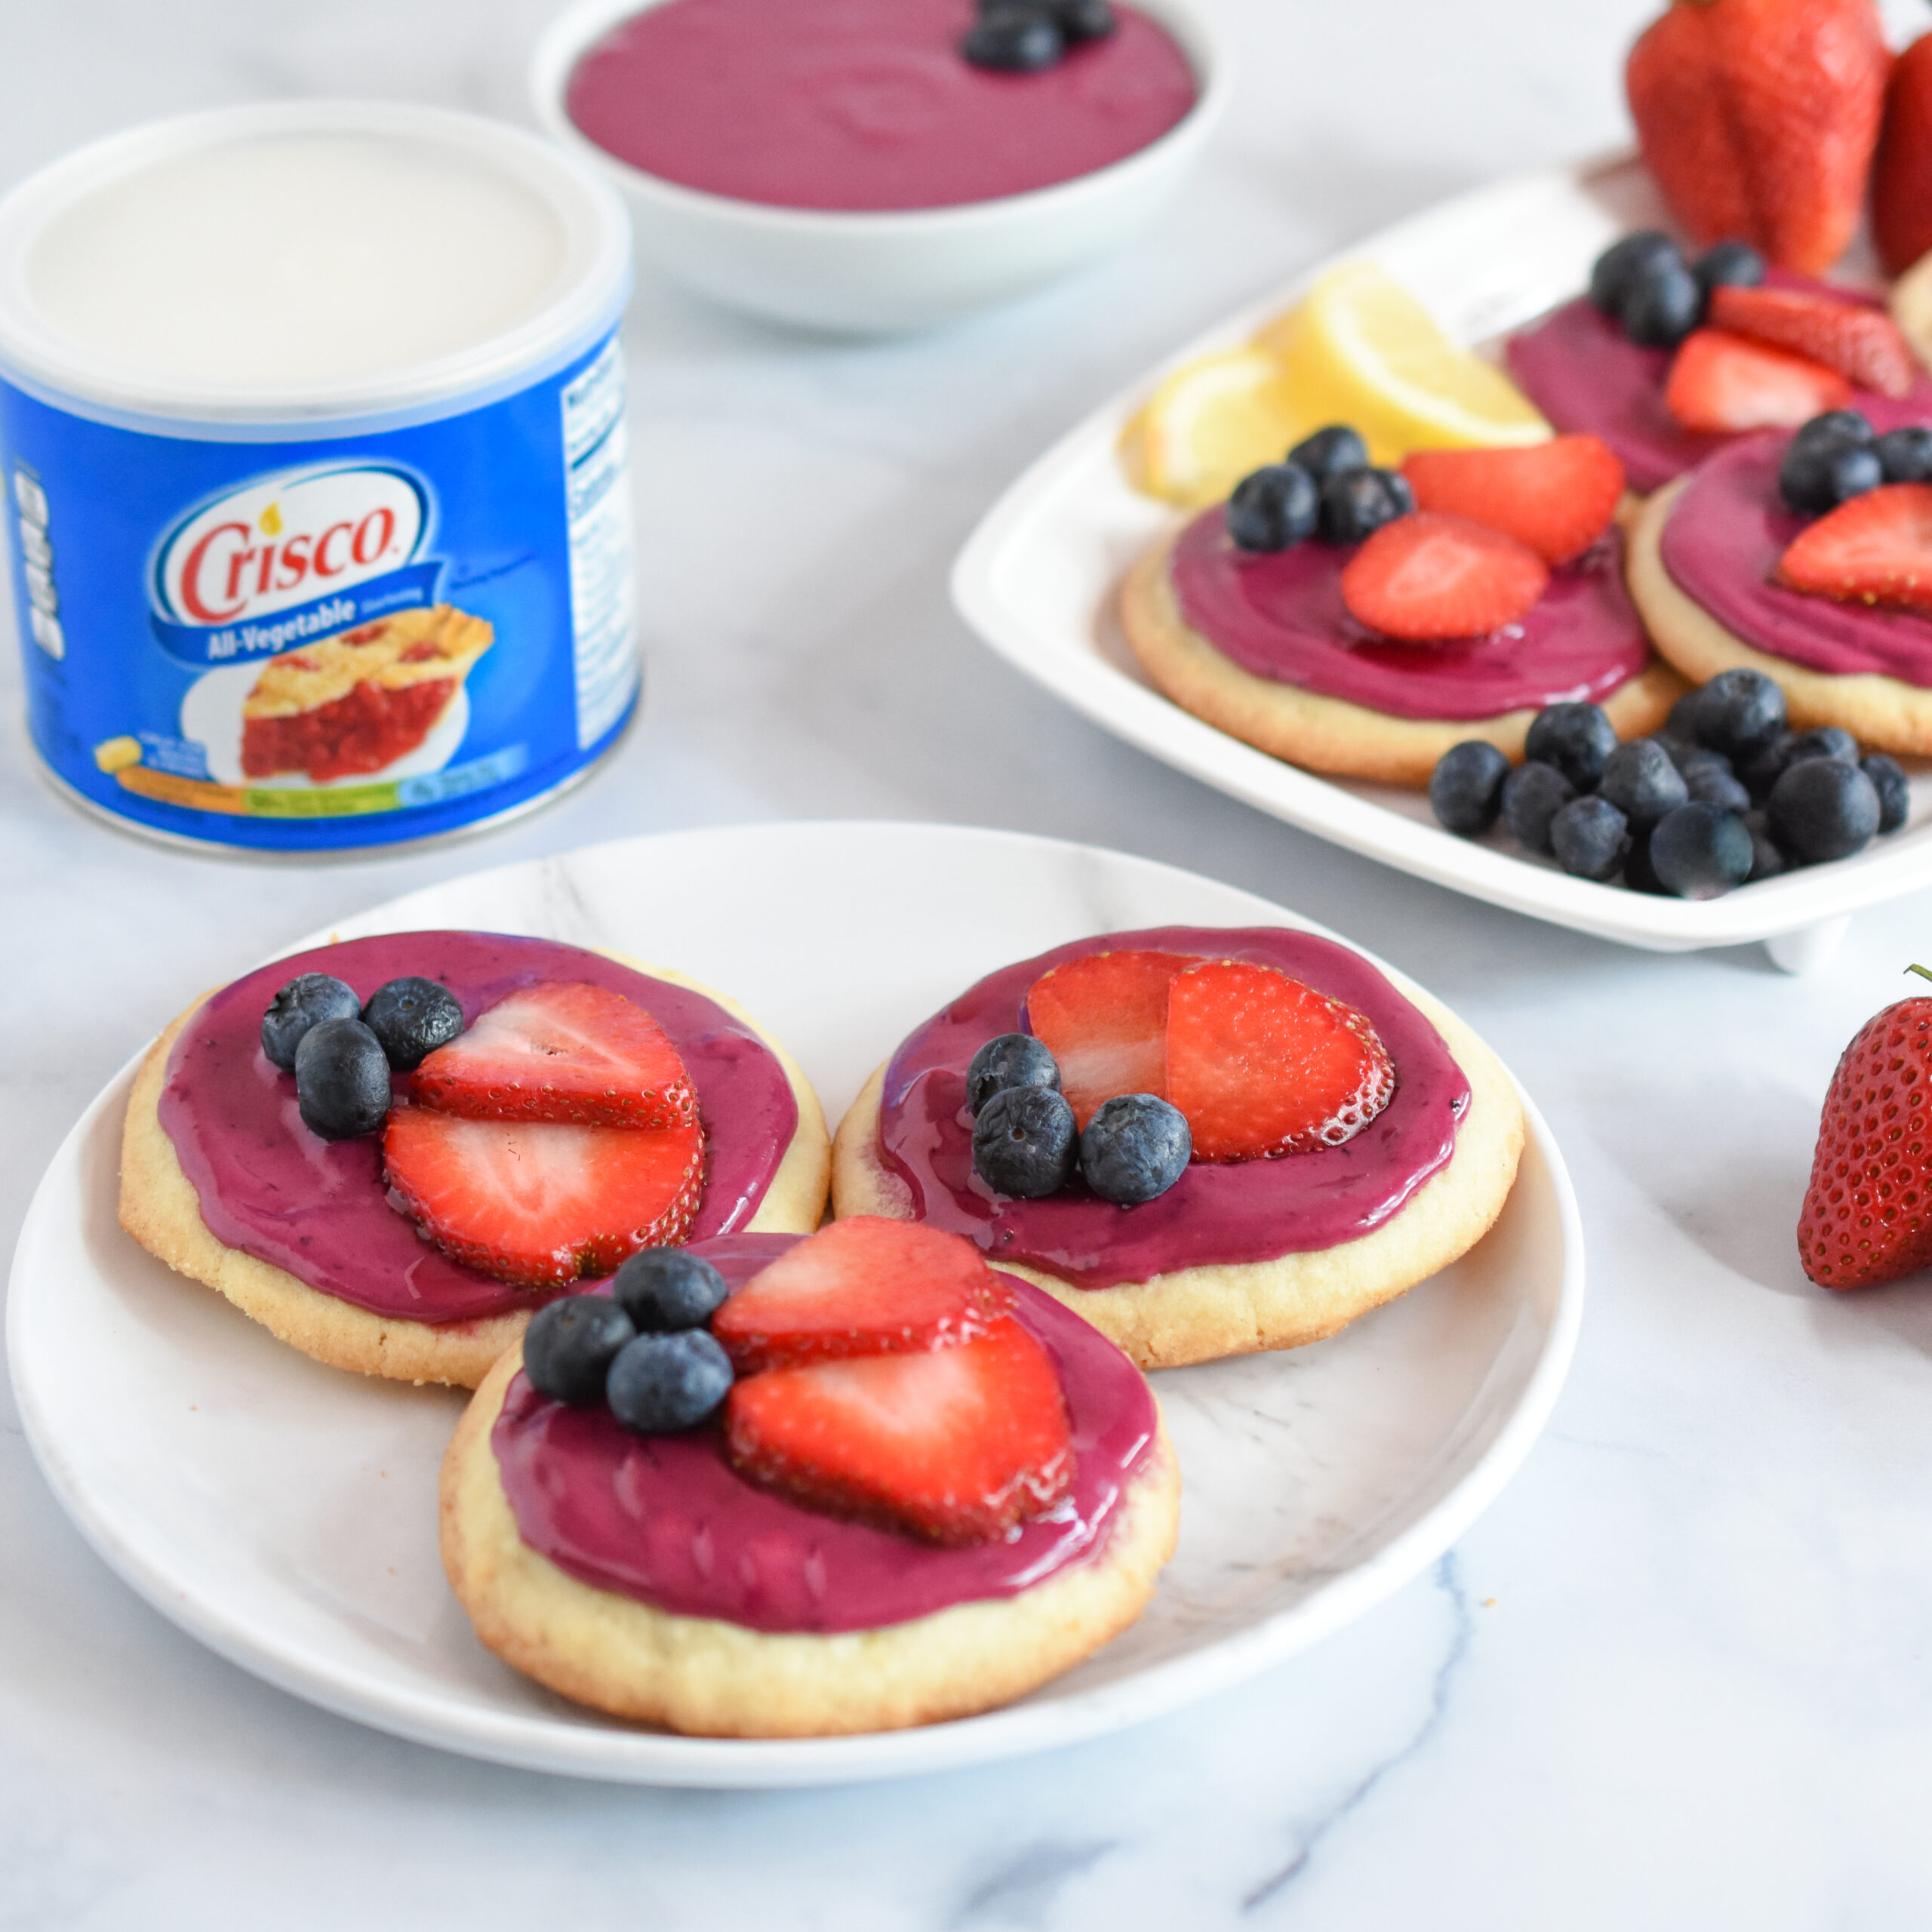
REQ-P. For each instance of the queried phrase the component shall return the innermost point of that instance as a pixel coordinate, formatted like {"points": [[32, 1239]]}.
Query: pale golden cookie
{"points": [[717, 1679], [160, 1209], [1230, 1308], [1329, 734], [1883, 713]]}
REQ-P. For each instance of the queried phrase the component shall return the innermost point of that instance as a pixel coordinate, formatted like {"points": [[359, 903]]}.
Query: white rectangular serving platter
{"points": [[1038, 579]]}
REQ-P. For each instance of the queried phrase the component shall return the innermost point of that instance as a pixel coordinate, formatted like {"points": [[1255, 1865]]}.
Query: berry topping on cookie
{"points": [[1104, 1018], [1558, 497], [864, 1286], [1862, 344], [1434, 576], [956, 1444], [412, 1017], [538, 1203], [1026, 1143], [1135, 1148], [665, 1289], [1832, 458], [561, 1051], [1877, 549], [1008, 1059], [1262, 1065], [570, 1345], [1723, 384], [306, 1001], [342, 1080], [660, 1383]]}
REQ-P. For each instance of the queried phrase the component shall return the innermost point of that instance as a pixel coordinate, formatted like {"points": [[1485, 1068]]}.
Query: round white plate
{"points": [[285, 1513]]}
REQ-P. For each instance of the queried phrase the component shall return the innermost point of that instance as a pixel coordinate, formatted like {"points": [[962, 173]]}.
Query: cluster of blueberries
{"points": [[1838, 456], [643, 1349], [1026, 1143], [1657, 297], [1024, 36], [1723, 795], [1327, 487], [342, 1050]]}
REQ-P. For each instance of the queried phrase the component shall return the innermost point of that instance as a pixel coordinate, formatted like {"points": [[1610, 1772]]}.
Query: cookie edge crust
{"points": [[1196, 1314], [160, 1208], [1883, 714], [709, 1677], [1330, 734]]}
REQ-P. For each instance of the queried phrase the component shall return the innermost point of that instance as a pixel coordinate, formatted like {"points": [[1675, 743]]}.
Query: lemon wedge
{"points": [[1211, 422], [1362, 349]]}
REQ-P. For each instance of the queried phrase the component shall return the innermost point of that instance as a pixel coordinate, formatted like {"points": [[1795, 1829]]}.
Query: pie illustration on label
{"points": [[352, 704]]}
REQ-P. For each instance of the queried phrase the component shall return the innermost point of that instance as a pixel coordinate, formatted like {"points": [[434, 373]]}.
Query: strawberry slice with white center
{"points": [[1261, 1064], [1104, 1018], [957, 1444], [1876, 549], [541, 1205], [864, 1286], [560, 1050]]}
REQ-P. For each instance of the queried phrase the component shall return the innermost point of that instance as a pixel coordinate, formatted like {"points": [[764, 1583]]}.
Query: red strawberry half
{"points": [[540, 1204], [560, 1050], [1725, 384], [1261, 1064], [1877, 549], [864, 1286], [1558, 497], [1104, 1019], [1863, 345], [1434, 576], [1867, 1216], [957, 1444]]}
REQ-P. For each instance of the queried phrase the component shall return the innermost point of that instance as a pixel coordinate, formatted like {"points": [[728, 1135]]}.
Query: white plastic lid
{"points": [[304, 261]]}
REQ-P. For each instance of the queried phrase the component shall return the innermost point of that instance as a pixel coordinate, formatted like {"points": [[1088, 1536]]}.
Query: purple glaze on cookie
{"points": [[1280, 615], [320, 1208], [1721, 543], [1233, 1212], [665, 1519], [1579, 368]]}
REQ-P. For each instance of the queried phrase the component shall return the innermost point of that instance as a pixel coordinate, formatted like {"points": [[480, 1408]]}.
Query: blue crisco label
{"points": [[327, 642]]}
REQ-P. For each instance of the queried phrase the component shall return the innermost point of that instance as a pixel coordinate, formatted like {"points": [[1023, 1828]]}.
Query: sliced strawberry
{"points": [[538, 1203], [1104, 1018], [1725, 384], [560, 1050], [1261, 1064], [1877, 549], [1433, 575], [957, 1444], [1862, 344], [864, 1286], [1558, 497]]}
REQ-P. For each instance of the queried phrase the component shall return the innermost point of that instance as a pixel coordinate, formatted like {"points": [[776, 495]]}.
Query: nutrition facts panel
{"points": [[598, 452]]}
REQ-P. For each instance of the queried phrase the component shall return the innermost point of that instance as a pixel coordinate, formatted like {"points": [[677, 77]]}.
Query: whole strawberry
{"points": [[1867, 1216], [1902, 173], [1758, 118]]}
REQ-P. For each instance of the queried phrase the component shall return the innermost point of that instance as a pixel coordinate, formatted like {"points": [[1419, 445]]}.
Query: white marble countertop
{"points": [[1677, 1675]]}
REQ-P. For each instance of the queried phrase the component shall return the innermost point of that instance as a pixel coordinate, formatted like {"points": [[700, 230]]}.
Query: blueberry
{"points": [[664, 1289], [1135, 1147], [1532, 795], [1822, 808], [304, 1002], [1836, 426], [342, 1080], [1765, 765], [1590, 837], [1025, 1143], [412, 1018], [1273, 509], [1728, 265], [570, 1345], [1465, 788], [1817, 477], [1905, 455], [1767, 861], [1638, 872], [1823, 741], [1357, 503], [1682, 722], [1013, 40], [1575, 738], [1330, 451], [658, 1383], [1738, 712], [1678, 749], [1661, 303], [1612, 273], [1009, 1060], [1639, 779], [1701, 850], [1713, 784], [1083, 19], [1888, 780]]}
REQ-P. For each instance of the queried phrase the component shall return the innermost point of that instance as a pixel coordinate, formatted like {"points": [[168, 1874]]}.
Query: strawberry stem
{"points": [[1923, 972]]}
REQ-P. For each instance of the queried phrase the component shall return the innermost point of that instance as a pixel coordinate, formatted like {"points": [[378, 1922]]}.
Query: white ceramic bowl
{"points": [[878, 272]]}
